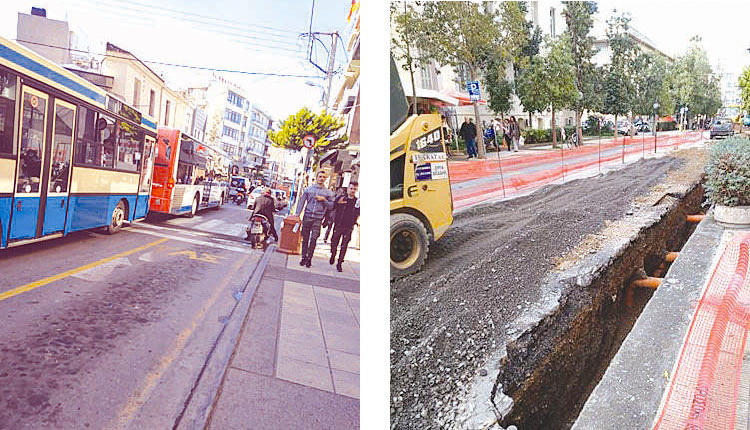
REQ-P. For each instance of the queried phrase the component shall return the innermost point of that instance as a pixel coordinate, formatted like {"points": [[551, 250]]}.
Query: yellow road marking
{"points": [[210, 258], [42, 282], [139, 398]]}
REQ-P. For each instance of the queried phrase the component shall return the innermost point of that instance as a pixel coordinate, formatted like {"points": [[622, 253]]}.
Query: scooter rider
{"points": [[265, 205]]}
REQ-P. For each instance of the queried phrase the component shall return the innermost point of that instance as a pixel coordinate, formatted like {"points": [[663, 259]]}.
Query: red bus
{"points": [[188, 175]]}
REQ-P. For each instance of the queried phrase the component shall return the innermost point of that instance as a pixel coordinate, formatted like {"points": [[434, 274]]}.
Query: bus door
{"points": [[61, 153], [28, 190], [162, 184]]}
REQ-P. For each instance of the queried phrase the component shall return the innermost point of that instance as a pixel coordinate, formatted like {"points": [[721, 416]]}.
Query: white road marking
{"points": [[209, 225], [216, 244], [100, 272]]}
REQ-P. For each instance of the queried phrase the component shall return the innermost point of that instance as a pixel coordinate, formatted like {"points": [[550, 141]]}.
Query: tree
{"points": [[651, 84], [531, 85], [524, 91], [744, 82], [579, 19], [618, 82], [560, 77], [325, 127], [460, 34], [405, 22], [499, 89], [694, 84]]}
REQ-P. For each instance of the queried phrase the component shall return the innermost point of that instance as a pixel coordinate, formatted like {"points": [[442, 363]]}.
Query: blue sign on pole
{"points": [[473, 88]]}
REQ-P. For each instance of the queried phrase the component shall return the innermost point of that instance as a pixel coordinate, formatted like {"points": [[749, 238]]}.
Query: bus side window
{"points": [[7, 112], [86, 147], [129, 148]]}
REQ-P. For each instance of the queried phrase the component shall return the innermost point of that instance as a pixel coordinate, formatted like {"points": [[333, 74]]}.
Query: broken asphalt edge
{"points": [[496, 404], [200, 403]]}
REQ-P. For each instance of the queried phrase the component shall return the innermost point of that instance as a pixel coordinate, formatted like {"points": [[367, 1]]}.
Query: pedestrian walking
{"points": [[469, 133], [347, 213], [515, 133], [328, 218], [265, 205], [507, 132], [314, 200]]}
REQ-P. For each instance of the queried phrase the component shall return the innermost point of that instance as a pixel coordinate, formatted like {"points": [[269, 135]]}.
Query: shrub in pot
{"points": [[728, 180]]}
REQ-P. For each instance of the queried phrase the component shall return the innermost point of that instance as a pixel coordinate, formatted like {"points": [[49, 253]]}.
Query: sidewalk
{"points": [[686, 362], [296, 364]]}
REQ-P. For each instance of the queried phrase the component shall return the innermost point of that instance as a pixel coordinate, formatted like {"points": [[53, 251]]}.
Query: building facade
{"points": [[234, 124]]}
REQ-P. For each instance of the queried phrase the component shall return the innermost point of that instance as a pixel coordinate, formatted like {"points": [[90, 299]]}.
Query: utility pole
{"points": [[326, 98]]}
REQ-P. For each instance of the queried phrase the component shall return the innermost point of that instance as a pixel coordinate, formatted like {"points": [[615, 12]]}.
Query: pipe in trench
{"points": [[647, 282], [695, 218]]}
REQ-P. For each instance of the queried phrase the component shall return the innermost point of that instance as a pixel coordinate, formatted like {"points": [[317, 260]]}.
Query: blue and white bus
{"points": [[72, 157]]}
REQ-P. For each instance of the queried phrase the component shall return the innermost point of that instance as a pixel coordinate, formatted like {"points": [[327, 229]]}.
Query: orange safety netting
{"points": [[704, 388]]}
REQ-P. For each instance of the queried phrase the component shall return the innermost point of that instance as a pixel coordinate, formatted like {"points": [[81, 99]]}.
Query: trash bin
{"points": [[290, 240]]}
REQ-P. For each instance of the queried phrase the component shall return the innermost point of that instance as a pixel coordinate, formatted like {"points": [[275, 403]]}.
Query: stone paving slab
{"points": [[297, 362], [251, 401]]}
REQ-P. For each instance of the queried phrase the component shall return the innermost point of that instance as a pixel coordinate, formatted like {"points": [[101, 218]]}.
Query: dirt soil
{"points": [[450, 318]]}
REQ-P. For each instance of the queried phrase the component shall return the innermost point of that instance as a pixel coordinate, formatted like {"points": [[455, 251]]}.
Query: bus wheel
{"points": [[193, 208], [118, 217], [221, 201], [409, 245]]}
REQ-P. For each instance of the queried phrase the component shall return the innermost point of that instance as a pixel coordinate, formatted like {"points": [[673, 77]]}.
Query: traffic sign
{"points": [[473, 88], [308, 141]]}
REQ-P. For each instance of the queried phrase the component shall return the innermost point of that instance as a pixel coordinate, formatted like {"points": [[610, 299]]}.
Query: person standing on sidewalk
{"points": [[314, 200], [469, 133], [328, 218], [515, 133], [347, 213]]}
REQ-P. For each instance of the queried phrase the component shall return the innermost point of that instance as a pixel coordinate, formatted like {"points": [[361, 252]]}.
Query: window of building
{"points": [[552, 21], [236, 99], [229, 131], [7, 112], [166, 112], [137, 94], [151, 102]]}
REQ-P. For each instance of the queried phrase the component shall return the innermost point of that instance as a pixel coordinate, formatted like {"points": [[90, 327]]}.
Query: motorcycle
{"points": [[241, 196], [257, 231]]}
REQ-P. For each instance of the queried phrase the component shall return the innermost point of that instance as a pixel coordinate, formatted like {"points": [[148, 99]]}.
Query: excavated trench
{"points": [[551, 369]]}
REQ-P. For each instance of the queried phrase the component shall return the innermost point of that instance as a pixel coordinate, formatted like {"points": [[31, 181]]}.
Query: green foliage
{"points": [[405, 22], [457, 33], [498, 88], [560, 71], [531, 86], [618, 83], [325, 127], [744, 82], [728, 172], [579, 19], [693, 82], [651, 84]]}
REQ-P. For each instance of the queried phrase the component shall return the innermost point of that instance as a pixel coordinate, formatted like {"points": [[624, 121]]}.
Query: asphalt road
{"points": [[106, 331]]}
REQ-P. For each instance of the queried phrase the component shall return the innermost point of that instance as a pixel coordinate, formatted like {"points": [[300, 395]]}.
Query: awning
{"points": [[668, 118], [463, 98], [435, 95]]}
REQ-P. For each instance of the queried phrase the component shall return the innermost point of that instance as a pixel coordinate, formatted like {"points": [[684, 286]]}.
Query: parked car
{"points": [[623, 127], [721, 127], [642, 126]]}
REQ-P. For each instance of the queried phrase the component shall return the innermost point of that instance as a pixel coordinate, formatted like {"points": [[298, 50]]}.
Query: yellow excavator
{"points": [[421, 201]]}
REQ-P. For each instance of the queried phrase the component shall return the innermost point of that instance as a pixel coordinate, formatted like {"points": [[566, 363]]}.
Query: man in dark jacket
{"points": [[265, 205], [469, 133], [347, 213]]}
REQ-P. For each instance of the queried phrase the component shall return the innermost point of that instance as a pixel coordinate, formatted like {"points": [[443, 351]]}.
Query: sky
{"points": [[721, 24], [241, 35]]}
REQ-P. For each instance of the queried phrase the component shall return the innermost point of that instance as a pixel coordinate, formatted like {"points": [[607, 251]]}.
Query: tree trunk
{"points": [[615, 129], [480, 133], [579, 132], [554, 129], [530, 124]]}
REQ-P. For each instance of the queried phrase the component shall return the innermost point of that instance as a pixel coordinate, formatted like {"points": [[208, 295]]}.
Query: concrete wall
{"points": [[45, 31]]}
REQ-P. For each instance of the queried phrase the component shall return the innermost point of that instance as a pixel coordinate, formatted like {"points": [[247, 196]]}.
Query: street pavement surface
{"points": [[113, 331], [481, 283]]}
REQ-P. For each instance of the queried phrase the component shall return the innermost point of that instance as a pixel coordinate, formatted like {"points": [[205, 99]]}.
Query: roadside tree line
{"points": [[552, 74]]}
